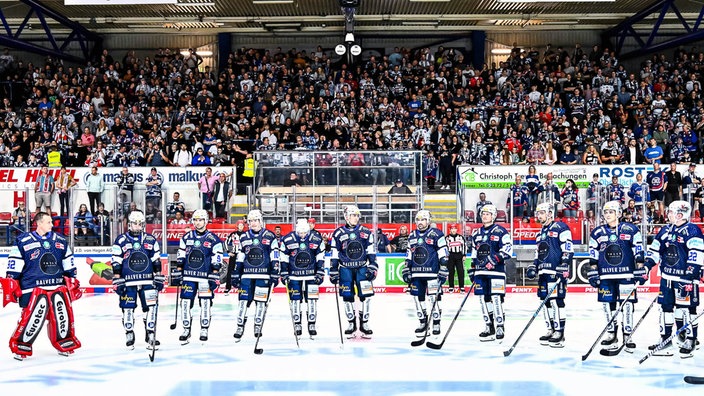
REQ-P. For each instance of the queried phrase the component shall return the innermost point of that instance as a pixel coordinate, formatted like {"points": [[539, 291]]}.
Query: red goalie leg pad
{"points": [[61, 332], [10, 290], [30, 324]]}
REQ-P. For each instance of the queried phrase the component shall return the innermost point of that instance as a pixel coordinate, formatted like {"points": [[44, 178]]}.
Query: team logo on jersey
{"points": [[59, 245], [612, 238], [196, 243], [495, 238], [429, 241], [353, 236], [148, 246], [34, 255], [302, 246], [255, 241], [265, 241], [46, 244], [363, 235], [135, 246], [207, 244], [625, 237], [552, 234]]}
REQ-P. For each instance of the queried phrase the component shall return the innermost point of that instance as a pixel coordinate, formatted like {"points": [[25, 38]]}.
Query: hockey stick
{"points": [[427, 320], [613, 317], [152, 341], [535, 314], [690, 379], [339, 318], [612, 352], [293, 321], [178, 295], [669, 339], [259, 351], [433, 345]]}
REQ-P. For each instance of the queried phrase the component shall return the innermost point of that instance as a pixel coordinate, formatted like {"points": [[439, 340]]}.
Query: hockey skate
{"points": [[610, 341], [557, 340], [436, 327], [19, 357], [298, 328], [129, 339], [146, 334], [545, 340], [488, 334], [500, 332], [185, 336], [687, 348], [666, 350], [351, 329], [630, 345], [150, 337], [204, 334], [422, 328], [311, 330], [257, 330], [238, 333], [366, 331], [65, 353]]}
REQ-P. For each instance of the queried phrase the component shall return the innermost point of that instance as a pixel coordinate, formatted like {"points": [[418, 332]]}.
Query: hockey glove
{"points": [[406, 275], [119, 286], [177, 276], [443, 274], [158, 281], [492, 262], [649, 263], [531, 272], [274, 280], [74, 288], [235, 281], [370, 273], [334, 277], [563, 270], [641, 275], [470, 273], [284, 279], [213, 281], [593, 276], [319, 279]]}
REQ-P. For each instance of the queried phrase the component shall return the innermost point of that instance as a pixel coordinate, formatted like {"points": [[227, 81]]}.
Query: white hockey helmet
{"points": [[614, 206], [676, 208], [302, 227], [489, 209], [200, 214], [423, 219], [136, 221], [547, 208], [255, 220], [349, 211]]}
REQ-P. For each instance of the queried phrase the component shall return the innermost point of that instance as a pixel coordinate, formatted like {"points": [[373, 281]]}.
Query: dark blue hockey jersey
{"points": [[135, 259], [679, 251], [199, 255], [427, 252], [615, 251], [554, 248], [258, 257], [302, 258], [491, 244], [38, 261], [353, 248]]}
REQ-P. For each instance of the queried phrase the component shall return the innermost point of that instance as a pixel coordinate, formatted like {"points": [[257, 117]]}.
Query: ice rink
{"points": [[386, 365]]}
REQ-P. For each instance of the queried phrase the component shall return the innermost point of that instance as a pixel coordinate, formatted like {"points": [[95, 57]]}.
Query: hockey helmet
{"points": [[136, 221], [614, 206], [349, 211], [547, 208], [302, 227], [679, 210], [423, 219], [200, 214], [255, 220], [491, 209]]}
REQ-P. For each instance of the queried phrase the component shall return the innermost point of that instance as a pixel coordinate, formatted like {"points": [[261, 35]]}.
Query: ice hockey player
{"points": [[198, 264], [256, 272], [616, 260], [425, 270], [302, 271], [679, 249], [136, 264], [553, 257], [41, 276], [490, 246], [353, 265]]}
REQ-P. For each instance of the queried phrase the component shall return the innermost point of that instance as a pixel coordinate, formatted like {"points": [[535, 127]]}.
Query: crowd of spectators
{"points": [[547, 106]]}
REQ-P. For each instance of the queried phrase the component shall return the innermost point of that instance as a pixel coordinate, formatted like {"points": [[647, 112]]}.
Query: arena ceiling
{"points": [[379, 17]]}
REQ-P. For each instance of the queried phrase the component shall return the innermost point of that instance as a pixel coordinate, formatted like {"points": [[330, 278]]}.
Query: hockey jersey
{"points": [[136, 258], [258, 257], [427, 252], [615, 251], [353, 248], [40, 261], [554, 248], [680, 252], [487, 243], [199, 255], [302, 258]]}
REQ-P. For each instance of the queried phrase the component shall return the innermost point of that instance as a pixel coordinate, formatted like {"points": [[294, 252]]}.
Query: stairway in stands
{"points": [[443, 207]]}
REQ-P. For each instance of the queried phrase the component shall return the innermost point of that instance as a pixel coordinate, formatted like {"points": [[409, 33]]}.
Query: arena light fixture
{"points": [[501, 51]]}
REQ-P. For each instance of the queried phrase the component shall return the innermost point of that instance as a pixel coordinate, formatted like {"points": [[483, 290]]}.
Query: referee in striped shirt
{"points": [[458, 248]]}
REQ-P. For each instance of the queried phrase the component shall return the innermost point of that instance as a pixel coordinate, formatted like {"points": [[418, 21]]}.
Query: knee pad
{"points": [[312, 310], [186, 306], [628, 317], [420, 308], [349, 310], [365, 310], [128, 319], [296, 310], [242, 312], [205, 305]]}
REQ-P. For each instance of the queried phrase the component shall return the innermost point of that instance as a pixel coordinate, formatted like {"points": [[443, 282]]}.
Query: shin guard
{"points": [[30, 323], [61, 327]]}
